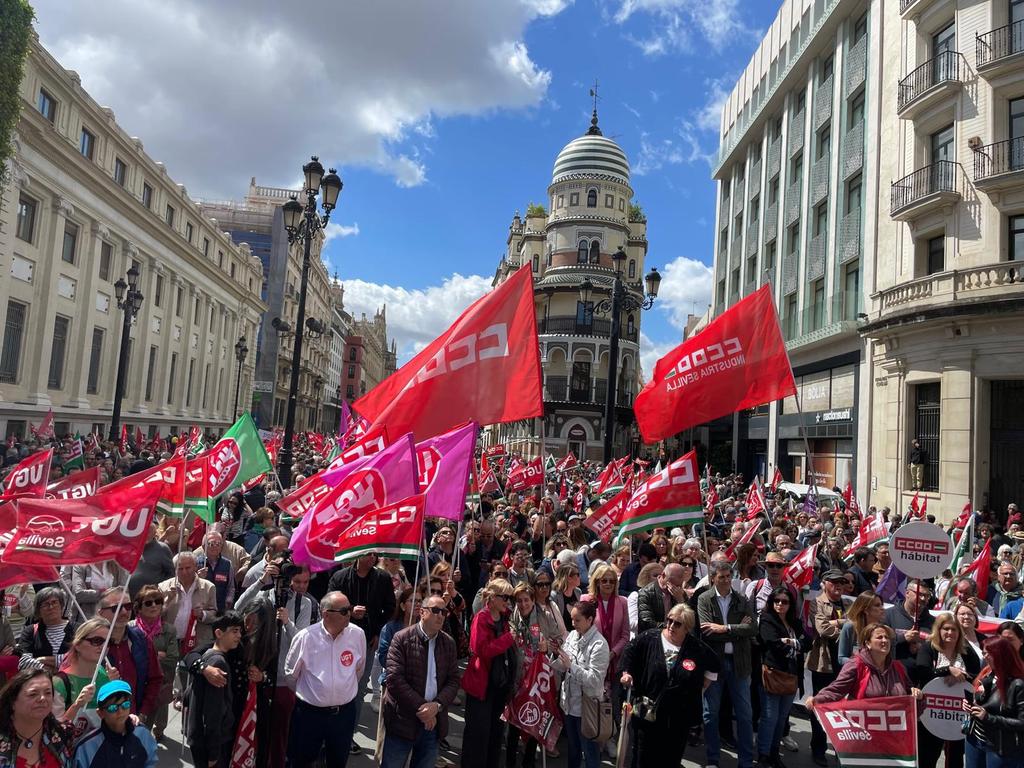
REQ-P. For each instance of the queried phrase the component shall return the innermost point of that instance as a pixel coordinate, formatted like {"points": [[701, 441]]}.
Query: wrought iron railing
{"points": [[999, 158], [948, 66], [597, 327], [999, 43], [939, 177]]}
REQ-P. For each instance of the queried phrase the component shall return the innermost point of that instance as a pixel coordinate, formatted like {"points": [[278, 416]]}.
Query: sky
{"points": [[442, 118]]}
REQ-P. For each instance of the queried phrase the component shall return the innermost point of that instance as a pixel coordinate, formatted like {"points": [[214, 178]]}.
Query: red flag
{"points": [[776, 480], [77, 485], [124, 438], [484, 368], [139, 438], [872, 530], [191, 639], [924, 509], [244, 753], [878, 732], [490, 483], [747, 536], [374, 441], [29, 477], [737, 362], [800, 571], [850, 497], [915, 506], [712, 498], [45, 430], [506, 559], [18, 574], [980, 569], [965, 516], [755, 503], [667, 498], [567, 463], [534, 709], [112, 525], [604, 519], [302, 499], [526, 476]]}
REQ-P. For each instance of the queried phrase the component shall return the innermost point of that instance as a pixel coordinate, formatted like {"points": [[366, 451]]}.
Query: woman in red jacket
{"points": [[490, 676]]}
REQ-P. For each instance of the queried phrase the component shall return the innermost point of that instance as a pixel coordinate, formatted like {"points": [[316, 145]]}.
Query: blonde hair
{"points": [[683, 613], [935, 639], [602, 571], [494, 588], [648, 573], [858, 613], [85, 629]]}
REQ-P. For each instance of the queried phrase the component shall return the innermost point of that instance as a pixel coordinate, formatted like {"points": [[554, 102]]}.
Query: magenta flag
{"points": [[444, 463], [344, 419], [366, 483]]}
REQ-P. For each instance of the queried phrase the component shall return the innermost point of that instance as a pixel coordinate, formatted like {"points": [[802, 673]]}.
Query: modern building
{"points": [[945, 334], [797, 174], [83, 204], [591, 215], [368, 357], [340, 330], [257, 221]]}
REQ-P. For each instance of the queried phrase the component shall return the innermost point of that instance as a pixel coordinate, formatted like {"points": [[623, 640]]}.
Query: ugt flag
{"points": [[666, 499], [484, 368], [737, 362], [29, 477], [534, 709], [871, 732]]}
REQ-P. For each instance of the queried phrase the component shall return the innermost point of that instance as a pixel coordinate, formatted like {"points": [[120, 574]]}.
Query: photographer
{"points": [[264, 569]]}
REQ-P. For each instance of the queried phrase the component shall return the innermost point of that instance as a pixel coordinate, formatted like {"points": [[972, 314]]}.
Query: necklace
{"points": [[28, 743]]}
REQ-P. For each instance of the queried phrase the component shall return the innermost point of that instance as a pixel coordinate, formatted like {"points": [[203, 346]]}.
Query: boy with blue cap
{"points": [[119, 742]]}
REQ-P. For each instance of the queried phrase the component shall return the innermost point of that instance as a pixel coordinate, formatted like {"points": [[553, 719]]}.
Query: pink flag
{"points": [[444, 463], [344, 418]]}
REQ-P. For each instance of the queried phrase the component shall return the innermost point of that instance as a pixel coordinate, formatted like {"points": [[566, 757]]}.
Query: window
{"points": [[936, 254], [1016, 238], [824, 142], [177, 301], [851, 290], [232, 270], [799, 102], [120, 172], [188, 383], [827, 66], [351, 371], [169, 215], [942, 145], [58, 348], [796, 169], [536, 262], [622, 204], [773, 191], [195, 311], [87, 144], [106, 257], [10, 352], [630, 325], [609, 201], [212, 317], [350, 392], [581, 256], [352, 354], [720, 297], [92, 385], [549, 260], [26, 227], [592, 198], [791, 316], [220, 259], [595, 252], [857, 110], [70, 242], [817, 293], [860, 29], [579, 387], [150, 370], [206, 384], [206, 246], [147, 195], [170, 378], [632, 269], [585, 314], [561, 201], [189, 231], [821, 219], [47, 105], [853, 193], [158, 292], [574, 198], [769, 256], [928, 403]]}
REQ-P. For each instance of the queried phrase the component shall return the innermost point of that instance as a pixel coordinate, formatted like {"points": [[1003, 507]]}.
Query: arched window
{"points": [[632, 268], [582, 256], [536, 262], [630, 327], [595, 252], [592, 199]]}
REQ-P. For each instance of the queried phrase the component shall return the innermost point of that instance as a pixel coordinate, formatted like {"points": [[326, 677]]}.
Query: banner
{"points": [[394, 530], [666, 499], [197, 488], [29, 477], [45, 430], [484, 368], [77, 485], [526, 476], [755, 502], [297, 503], [943, 713], [738, 361], [237, 457], [74, 459], [534, 709], [444, 463], [374, 441], [243, 755], [567, 463], [11, 574], [800, 571], [604, 519], [872, 531], [921, 550], [112, 525], [871, 732]]}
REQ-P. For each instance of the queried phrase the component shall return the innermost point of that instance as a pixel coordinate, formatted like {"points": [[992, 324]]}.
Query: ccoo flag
{"points": [[666, 499], [484, 368], [737, 362]]}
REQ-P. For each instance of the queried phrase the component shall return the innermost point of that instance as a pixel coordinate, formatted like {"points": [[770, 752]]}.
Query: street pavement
{"points": [[171, 750]]}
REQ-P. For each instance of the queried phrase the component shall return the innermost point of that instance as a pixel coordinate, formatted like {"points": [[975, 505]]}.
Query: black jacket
{"points": [[865, 580], [775, 653], [1003, 726], [678, 691], [923, 669], [376, 592], [33, 642], [211, 718]]}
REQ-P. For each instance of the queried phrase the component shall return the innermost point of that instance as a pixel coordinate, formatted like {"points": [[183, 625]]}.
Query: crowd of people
{"points": [[694, 629]]}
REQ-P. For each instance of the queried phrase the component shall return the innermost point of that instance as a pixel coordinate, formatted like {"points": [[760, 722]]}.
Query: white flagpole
{"points": [[110, 632], [74, 600]]}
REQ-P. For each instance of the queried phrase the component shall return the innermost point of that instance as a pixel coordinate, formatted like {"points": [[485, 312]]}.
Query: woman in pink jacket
{"points": [[613, 624]]}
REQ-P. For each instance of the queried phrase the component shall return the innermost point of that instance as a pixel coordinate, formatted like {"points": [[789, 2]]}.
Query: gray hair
{"points": [[48, 593], [691, 543], [212, 532], [325, 601], [185, 554], [719, 566]]}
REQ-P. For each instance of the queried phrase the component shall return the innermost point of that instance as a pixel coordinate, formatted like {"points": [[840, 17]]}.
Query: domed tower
{"points": [[589, 218]]}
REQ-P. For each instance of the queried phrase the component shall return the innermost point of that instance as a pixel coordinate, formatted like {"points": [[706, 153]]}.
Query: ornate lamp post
{"points": [[241, 350], [619, 301], [129, 300], [302, 223]]}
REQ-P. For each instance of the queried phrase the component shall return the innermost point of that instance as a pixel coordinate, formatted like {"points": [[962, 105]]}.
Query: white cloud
{"points": [[416, 316], [685, 289], [709, 117], [651, 352], [677, 26], [223, 91], [338, 231]]}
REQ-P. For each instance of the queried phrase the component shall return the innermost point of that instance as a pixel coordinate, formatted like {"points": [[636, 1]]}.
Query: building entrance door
{"points": [[1006, 457]]}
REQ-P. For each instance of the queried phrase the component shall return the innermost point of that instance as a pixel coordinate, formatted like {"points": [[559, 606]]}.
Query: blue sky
{"points": [[443, 119]]}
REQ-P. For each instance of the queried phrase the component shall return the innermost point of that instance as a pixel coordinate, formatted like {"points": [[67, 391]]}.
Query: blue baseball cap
{"points": [[111, 688]]}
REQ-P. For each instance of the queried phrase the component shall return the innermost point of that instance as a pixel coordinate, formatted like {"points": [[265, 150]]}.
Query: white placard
{"points": [[921, 550], [943, 713]]}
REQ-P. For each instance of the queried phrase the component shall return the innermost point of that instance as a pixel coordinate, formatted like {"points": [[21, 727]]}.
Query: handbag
{"points": [[596, 718], [777, 682]]}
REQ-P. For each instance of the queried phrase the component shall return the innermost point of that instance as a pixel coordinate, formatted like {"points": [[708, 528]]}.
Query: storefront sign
{"points": [[943, 713], [842, 414], [921, 550]]}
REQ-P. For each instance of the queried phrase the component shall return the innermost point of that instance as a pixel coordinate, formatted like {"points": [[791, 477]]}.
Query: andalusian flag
{"points": [[963, 546], [197, 488], [237, 457], [75, 457], [665, 500], [394, 530], [549, 464]]}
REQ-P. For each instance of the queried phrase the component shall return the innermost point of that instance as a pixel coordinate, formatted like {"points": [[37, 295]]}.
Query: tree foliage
{"points": [[15, 35], [536, 209], [636, 213]]}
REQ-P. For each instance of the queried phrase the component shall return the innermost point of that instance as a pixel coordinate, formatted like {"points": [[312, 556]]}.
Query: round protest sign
{"points": [[943, 713], [921, 550]]}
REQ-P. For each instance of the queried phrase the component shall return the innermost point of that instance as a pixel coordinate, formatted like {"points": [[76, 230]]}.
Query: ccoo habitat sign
{"points": [[921, 550]]}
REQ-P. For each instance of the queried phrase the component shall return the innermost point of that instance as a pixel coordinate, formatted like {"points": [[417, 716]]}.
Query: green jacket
{"points": [[740, 633]]}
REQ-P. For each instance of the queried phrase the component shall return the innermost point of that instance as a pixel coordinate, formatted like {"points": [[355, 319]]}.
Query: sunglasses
{"points": [[112, 708], [687, 564], [606, 581], [151, 603], [672, 623], [95, 641], [781, 602], [506, 598], [435, 610], [437, 592], [125, 607], [542, 584], [774, 565], [340, 611], [501, 573]]}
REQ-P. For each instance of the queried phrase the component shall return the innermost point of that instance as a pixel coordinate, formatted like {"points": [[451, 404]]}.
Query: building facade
{"points": [[945, 335], [796, 202], [340, 329], [257, 222], [369, 359], [590, 216], [84, 203]]}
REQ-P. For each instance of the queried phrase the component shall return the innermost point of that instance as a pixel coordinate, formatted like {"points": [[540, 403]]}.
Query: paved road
{"points": [[171, 752]]}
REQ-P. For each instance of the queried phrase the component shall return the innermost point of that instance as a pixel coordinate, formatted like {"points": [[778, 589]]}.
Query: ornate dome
{"points": [[591, 155]]}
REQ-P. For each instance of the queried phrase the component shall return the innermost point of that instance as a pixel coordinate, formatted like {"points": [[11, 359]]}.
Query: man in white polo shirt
{"points": [[323, 665]]}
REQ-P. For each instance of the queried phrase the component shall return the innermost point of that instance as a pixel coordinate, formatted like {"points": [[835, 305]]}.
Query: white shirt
{"points": [[322, 670], [184, 608], [723, 605]]}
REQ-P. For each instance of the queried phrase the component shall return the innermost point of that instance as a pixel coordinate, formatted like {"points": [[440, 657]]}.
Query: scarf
{"points": [[607, 617], [150, 630]]}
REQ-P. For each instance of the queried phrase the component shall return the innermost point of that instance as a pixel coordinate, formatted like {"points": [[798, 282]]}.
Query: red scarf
{"points": [[607, 617], [150, 630]]}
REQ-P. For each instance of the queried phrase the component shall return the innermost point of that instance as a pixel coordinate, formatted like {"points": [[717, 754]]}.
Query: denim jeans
{"points": [[774, 714], [739, 691], [977, 756], [579, 747], [423, 748]]}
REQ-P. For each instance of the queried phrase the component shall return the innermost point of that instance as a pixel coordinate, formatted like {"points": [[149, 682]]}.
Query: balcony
{"points": [[569, 326], [913, 7], [593, 392], [999, 50], [849, 236], [999, 166], [1002, 280], [925, 190], [932, 82], [774, 158]]}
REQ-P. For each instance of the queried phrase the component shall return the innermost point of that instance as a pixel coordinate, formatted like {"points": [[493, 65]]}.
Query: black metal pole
{"points": [[613, 365], [284, 465], [238, 385], [122, 365]]}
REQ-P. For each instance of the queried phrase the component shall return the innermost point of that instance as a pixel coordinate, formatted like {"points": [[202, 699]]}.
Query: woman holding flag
{"points": [[81, 668]]}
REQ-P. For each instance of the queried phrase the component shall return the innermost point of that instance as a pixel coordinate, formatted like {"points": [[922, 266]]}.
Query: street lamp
{"points": [[619, 301], [241, 350], [302, 223], [318, 383], [129, 301]]}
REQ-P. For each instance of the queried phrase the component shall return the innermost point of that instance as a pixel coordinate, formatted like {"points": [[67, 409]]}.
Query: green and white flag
{"points": [[237, 457], [75, 457], [550, 465], [963, 548]]}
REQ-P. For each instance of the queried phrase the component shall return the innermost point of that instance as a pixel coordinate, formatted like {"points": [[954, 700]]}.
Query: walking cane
{"points": [[622, 752]]}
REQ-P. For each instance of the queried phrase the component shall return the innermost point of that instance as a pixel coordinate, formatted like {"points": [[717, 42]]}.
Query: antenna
{"points": [[593, 93]]}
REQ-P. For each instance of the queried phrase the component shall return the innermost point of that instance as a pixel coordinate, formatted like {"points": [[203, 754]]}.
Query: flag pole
{"points": [[71, 594], [420, 549], [110, 632]]}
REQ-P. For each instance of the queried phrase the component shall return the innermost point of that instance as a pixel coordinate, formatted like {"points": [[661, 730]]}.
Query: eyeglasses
{"points": [[50, 603], [95, 641], [506, 598], [125, 607], [774, 565], [112, 708], [340, 611], [687, 564], [606, 581], [435, 610], [672, 623], [151, 603], [501, 573]]}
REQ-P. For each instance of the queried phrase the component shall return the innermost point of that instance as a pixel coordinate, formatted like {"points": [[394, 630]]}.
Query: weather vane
{"points": [[593, 93]]}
